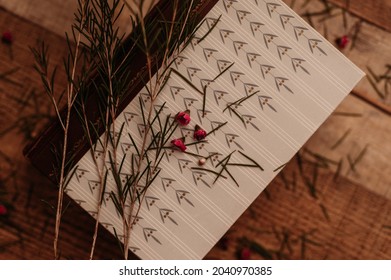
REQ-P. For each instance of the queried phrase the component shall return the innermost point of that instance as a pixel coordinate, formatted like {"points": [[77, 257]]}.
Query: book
{"points": [[258, 80]]}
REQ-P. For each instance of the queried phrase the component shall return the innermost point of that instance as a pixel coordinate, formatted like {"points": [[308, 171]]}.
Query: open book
{"points": [[259, 84]]}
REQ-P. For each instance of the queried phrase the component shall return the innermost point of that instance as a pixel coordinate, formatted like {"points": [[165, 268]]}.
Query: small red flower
{"points": [[179, 144], [199, 133], [342, 42], [3, 210], [245, 254], [183, 118], [7, 38]]}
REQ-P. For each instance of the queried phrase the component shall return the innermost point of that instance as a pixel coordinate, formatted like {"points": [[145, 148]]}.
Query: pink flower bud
{"points": [[3, 210], [183, 118], [7, 38], [199, 133], [179, 144]]}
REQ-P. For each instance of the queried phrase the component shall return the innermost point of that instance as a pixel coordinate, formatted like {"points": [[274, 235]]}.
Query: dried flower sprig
{"points": [[7, 38], [41, 57]]}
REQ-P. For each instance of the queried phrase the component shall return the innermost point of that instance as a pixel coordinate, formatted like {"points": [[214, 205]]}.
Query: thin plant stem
{"points": [[70, 96]]}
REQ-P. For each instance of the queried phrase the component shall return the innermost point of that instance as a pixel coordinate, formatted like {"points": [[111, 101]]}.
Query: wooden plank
{"points": [[372, 128], [54, 15], [289, 223], [58, 16], [358, 207], [369, 131], [376, 11], [30, 221]]}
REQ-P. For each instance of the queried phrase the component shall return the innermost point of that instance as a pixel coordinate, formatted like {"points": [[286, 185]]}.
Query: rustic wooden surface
{"points": [[377, 12], [307, 212]]}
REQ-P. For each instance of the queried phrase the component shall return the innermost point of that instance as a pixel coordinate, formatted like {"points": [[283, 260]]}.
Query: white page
{"points": [[298, 79]]}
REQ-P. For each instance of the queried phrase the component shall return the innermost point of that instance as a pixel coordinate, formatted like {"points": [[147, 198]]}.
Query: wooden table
{"points": [[332, 201]]}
